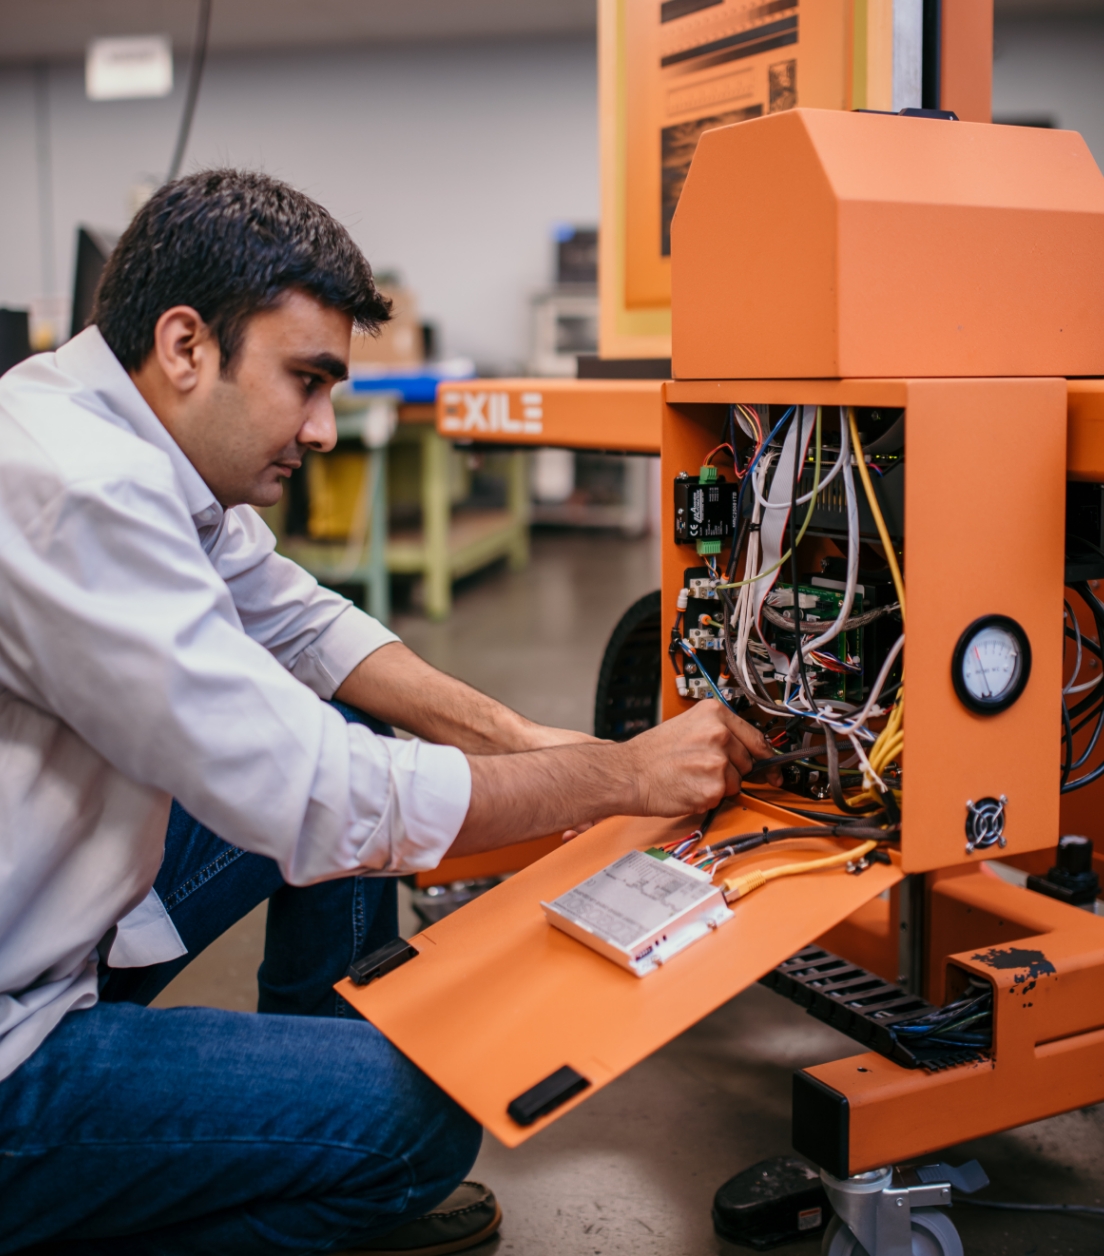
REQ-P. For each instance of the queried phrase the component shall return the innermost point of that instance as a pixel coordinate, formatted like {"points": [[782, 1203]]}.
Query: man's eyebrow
{"points": [[327, 364]]}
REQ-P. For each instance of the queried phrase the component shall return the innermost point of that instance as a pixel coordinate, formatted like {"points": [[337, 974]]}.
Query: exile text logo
{"points": [[473, 412]]}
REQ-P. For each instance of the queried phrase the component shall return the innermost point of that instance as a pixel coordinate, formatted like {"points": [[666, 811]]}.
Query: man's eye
{"points": [[311, 382]]}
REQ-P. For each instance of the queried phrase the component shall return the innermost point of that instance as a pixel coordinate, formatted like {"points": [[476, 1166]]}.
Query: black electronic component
{"points": [[878, 637], [381, 961], [1072, 879], [868, 1008], [700, 627], [556, 1089], [705, 509], [776, 1201], [840, 674]]}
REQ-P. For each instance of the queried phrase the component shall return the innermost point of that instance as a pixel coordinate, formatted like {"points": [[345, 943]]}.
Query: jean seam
{"points": [[219, 864]]}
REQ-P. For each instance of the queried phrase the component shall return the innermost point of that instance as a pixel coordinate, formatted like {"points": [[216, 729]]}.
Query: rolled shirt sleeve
{"points": [[126, 631]]}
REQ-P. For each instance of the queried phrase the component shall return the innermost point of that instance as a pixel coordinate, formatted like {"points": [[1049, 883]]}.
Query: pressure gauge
{"points": [[991, 664]]}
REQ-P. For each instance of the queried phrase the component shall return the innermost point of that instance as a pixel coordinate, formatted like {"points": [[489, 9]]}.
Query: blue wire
{"points": [[691, 653], [751, 465]]}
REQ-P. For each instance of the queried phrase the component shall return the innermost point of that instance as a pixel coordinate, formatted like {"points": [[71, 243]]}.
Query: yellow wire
{"points": [[875, 510], [891, 739], [742, 885]]}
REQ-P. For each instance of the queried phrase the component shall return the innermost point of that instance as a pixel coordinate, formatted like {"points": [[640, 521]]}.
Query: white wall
{"points": [[448, 162], [1052, 67]]}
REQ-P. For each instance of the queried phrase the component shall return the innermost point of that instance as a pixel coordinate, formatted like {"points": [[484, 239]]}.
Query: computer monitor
{"points": [[93, 249]]}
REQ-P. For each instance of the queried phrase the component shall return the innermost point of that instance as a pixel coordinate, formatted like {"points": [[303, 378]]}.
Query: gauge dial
{"points": [[991, 664]]}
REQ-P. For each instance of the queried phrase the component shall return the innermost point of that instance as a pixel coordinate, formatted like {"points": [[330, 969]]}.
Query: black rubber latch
{"points": [[546, 1096], [381, 961], [967, 1178]]}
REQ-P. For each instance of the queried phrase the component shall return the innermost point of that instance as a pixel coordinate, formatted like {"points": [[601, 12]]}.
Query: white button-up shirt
{"points": [[154, 646]]}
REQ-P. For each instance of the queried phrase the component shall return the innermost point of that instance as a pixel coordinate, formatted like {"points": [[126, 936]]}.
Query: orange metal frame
{"points": [[952, 271]]}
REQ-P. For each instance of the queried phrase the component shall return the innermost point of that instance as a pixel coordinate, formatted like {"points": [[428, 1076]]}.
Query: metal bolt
{"points": [[900, 1202]]}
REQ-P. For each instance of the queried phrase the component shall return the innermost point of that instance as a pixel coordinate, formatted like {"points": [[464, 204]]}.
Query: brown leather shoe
{"points": [[469, 1216]]}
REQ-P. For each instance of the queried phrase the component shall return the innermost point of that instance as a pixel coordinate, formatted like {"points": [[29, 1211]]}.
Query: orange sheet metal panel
{"points": [[971, 551], [817, 243], [497, 999], [966, 63], [611, 414], [1049, 1028], [490, 863], [1085, 433], [785, 392]]}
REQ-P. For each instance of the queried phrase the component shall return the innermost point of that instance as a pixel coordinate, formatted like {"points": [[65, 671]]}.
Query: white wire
{"points": [[852, 569], [1089, 684], [883, 676], [1077, 662], [836, 468]]}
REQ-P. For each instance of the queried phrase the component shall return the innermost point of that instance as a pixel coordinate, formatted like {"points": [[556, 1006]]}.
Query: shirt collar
{"points": [[89, 360]]}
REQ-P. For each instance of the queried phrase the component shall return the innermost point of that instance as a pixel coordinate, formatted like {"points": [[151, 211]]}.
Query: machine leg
{"points": [[435, 525], [517, 497], [876, 1218]]}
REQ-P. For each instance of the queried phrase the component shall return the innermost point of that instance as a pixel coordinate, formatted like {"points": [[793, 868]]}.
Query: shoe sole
{"points": [[443, 1249]]}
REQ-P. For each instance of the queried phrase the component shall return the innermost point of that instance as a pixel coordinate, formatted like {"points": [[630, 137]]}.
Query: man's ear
{"points": [[183, 345]]}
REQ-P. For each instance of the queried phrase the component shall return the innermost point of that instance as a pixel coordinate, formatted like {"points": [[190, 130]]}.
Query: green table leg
{"points": [[435, 524], [517, 498], [378, 584]]}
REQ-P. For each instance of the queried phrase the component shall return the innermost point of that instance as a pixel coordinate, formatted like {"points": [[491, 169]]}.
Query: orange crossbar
{"points": [[616, 415]]}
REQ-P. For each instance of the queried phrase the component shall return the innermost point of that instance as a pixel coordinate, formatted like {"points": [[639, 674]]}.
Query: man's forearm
{"points": [[519, 796], [398, 687], [682, 767]]}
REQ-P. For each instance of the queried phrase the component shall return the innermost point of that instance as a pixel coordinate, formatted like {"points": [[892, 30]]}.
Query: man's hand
{"points": [[685, 766], [689, 764]]}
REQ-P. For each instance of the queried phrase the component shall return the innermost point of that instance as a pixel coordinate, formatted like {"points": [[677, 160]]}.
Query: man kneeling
{"points": [[190, 725]]}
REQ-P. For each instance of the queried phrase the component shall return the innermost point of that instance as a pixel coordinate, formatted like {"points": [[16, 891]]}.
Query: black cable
{"points": [[195, 76], [807, 813], [1090, 707], [738, 845], [791, 756], [1067, 743], [835, 785], [1086, 1209]]}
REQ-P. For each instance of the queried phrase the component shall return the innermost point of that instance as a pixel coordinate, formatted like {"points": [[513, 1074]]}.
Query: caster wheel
{"points": [[627, 701], [933, 1234]]}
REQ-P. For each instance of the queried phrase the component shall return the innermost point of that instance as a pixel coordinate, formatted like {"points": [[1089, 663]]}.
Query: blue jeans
{"points": [[186, 1130]]}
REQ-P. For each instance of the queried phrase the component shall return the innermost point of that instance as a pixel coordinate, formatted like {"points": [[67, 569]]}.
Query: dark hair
{"points": [[229, 243]]}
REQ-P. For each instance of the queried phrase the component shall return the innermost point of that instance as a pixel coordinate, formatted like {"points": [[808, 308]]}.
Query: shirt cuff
{"points": [[146, 936], [430, 795], [329, 659]]}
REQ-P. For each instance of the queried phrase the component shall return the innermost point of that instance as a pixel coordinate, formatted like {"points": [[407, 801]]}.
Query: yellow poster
{"points": [[670, 70]]}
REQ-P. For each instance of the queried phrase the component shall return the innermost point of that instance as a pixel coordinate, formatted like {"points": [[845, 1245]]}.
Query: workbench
{"points": [[449, 542]]}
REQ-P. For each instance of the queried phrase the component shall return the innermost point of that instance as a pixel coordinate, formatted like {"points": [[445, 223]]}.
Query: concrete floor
{"points": [[633, 1171]]}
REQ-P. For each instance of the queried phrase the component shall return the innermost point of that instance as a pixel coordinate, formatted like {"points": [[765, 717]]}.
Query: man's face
{"points": [[246, 432]]}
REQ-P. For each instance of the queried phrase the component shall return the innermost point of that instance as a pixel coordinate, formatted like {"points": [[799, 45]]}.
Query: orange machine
{"points": [[903, 300]]}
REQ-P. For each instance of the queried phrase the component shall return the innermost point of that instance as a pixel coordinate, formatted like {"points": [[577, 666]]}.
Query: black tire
{"points": [[627, 700]]}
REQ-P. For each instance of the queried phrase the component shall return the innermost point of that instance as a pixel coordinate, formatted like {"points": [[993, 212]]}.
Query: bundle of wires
{"points": [[1088, 710], [967, 1022], [750, 657], [689, 850]]}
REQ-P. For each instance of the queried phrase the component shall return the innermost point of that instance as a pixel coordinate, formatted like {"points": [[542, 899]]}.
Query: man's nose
{"points": [[320, 430]]}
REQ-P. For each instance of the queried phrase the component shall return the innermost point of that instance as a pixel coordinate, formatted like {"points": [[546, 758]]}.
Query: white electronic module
{"points": [[641, 910]]}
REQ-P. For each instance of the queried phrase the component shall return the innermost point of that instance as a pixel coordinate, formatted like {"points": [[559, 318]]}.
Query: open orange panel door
{"points": [[497, 1000]]}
